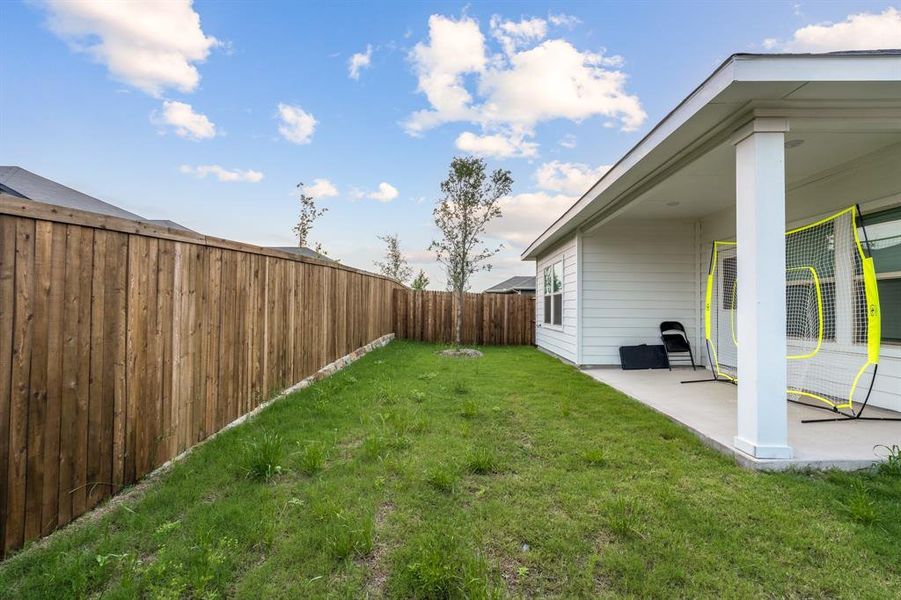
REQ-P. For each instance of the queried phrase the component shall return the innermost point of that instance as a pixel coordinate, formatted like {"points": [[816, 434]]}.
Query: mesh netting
{"points": [[832, 312]]}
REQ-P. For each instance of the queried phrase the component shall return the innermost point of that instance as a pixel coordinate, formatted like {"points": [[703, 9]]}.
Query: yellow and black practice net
{"points": [[832, 313]]}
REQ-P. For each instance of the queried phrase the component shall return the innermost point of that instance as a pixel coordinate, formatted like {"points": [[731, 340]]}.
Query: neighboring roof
{"points": [[514, 284], [302, 251], [169, 224], [30, 186], [724, 101]]}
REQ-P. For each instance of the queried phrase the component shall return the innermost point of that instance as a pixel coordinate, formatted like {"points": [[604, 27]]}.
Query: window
{"points": [[883, 232], [729, 298], [553, 294]]}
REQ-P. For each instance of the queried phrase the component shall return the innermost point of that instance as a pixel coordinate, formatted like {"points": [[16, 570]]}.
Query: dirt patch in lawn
{"points": [[375, 563], [461, 353]]}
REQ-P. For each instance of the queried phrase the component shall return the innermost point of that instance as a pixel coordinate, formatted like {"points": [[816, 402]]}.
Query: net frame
{"points": [[807, 278]]}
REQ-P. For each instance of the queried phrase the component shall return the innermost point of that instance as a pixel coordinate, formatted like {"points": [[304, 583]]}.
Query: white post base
{"points": [[757, 451]]}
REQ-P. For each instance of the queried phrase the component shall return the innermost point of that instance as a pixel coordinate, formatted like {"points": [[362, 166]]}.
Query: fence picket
{"points": [[489, 319]]}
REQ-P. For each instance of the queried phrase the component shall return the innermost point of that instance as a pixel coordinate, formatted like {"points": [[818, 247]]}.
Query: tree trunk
{"points": [[459, 324]]}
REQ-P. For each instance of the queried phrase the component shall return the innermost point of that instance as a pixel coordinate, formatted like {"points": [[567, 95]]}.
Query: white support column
{"points": [[760, 227]]}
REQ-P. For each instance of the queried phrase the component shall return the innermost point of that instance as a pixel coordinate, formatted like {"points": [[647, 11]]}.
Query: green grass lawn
{"points": [[412, 475]]}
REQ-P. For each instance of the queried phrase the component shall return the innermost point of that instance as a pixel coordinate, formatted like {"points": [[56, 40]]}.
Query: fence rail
{"points": [[123, 344], [488, 319]]}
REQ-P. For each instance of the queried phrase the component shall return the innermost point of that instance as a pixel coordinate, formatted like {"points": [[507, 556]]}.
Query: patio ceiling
{"points": [[853, 95], [707, 185]]}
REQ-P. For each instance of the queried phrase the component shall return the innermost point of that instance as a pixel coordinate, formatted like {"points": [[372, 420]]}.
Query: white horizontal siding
{"points": [[635, 275], [559, 340]]}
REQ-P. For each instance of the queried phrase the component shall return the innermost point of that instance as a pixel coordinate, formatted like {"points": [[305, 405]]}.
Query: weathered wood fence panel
{"points": [[488, 319], [124, 344]]}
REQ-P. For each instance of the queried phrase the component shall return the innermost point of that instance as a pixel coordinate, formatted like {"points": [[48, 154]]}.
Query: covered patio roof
{"points": [[855, 95]]}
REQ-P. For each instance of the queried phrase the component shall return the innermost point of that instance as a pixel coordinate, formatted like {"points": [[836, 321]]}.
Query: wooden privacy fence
{"points": [[123, 344], [488, 319]]}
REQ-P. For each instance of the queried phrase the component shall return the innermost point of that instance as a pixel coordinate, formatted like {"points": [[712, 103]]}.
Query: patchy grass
{"points": [[312, 457], [481, 461], [443, 478], [594, 457], [412, 476], [262, 457]]}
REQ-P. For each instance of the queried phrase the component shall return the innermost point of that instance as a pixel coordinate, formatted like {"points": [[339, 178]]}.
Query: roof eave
{"points": [[722, 78]]}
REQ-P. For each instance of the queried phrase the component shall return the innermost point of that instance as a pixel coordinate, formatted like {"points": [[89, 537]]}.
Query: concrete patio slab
{"points": [[709, 410]]}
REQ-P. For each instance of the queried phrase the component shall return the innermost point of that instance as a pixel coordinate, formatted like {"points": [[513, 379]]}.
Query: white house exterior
{"points": [[766, 143]]}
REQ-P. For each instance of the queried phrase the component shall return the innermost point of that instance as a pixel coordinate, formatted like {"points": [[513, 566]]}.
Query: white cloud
{"points": [[554, 80], [321, 188], [420, 257], [568, 141], [862, 31], [534, 80], [152, 46], [525, 216], [385, 193], [187, 123], [455, 49], [564, 20], [513, 35], [222, 174], [358, 62], [570, 178], [295, 124], [498, 145]]}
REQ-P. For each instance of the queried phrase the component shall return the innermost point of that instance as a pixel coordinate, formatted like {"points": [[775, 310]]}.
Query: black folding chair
{"points": [[675, 340]]}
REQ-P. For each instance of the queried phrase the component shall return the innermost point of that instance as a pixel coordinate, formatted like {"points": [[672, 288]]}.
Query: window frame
{"points": [[552, 294], [882, 215]]}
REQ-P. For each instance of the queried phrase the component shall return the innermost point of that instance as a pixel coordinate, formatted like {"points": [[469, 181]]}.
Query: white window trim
{"points": [[550, 265], [892, 346]]}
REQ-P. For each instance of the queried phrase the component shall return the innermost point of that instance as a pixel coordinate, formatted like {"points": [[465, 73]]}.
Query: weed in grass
{"points": [[481, 461], [168, 527], [427, 376], [469, 409], [374, 447], [460, 388], [311, 458], [348, 536], [565, 407], [417, 396], [404, 421], [892, 464], [622, 516], [442, 478], [262, 457], [594, 457], [399, 442], [439, 564], [203, 575], [385, 397], [860, 506]]}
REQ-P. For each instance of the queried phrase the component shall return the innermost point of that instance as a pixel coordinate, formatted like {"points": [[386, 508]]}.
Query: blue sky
{"points": [[177, 113]]}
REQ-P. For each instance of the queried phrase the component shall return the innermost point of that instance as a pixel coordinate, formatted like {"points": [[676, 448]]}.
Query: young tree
{"points": [[421, 281], [471, 200], [394, 265], [308, 215]]}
